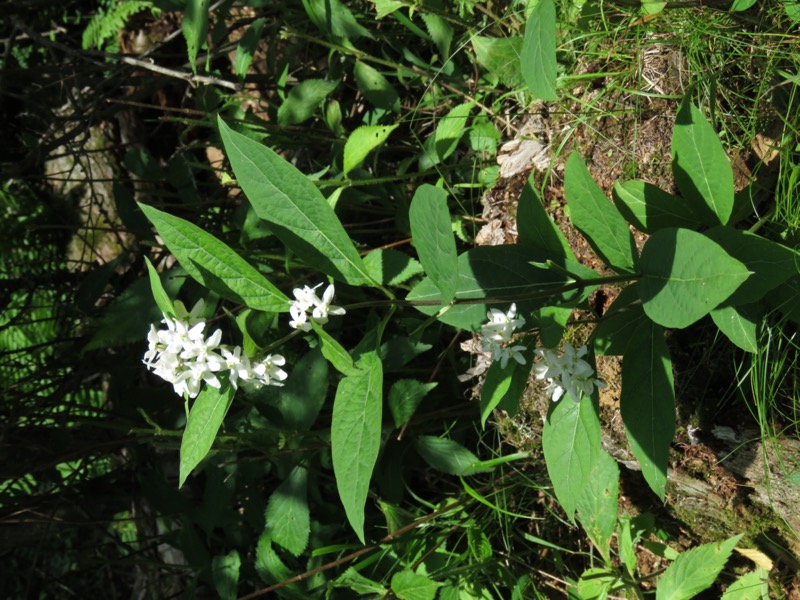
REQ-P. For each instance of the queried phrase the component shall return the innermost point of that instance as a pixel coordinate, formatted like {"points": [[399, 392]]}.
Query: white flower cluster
{"points": [[183, 356], [306, 300], [568, 373], [497, 333]]}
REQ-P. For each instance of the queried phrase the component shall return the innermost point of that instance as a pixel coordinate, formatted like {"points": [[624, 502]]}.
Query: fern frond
{"points": [[107, 24]]}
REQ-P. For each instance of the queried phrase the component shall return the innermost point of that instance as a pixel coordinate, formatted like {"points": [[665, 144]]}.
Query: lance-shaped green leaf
{"points": [[334, 352], [356, 436], [740, 324], [447, 456], [502, 273], [701, 167], [298, 214], [205, 419], [770, 263], [598, 505], [450, 129], [287, 516], [216, 265], [536, 229], [685, 276], [503, 388], [375, 87], [303, 101], [434, 240], [695, 570], [160, 295], [598, 220], [363, 141], [538, 60], [195, 27], [571, 445], [404, 398], [647, 403], [649, 208]]}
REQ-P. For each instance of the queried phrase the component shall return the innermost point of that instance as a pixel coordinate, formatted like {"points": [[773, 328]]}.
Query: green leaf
{"points": [[695, 570], [786, 298], [649, 208], [297, 212], [598, 505], [225, 574], [159, 294], [303, 100], [686, 275], [652, 7], [302, 396], [740, 324], [536, 229], [195, 28], [205, 419], [620, 325], [647, 403], [375, 87], [363, 141], [335, 19], [215, 265], [447, 456], [770, 263], [433, 238], [701, 167], [501, 57], [538, 63], [356, 436], [593, 214], [500, 272], [408, 585], [441, 33], [334, 352], [355, 581], [269, 565], [503, 388], [571, 445], [404, 398], [247, 47], [287, 516], [742, 5], [390, 267], [450, 129], [750, 586]]}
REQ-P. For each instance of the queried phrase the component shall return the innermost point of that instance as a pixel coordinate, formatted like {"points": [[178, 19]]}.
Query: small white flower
{"points": [[568, 373], [306, 299], [498, 332], [238, 365], [268, 371]]}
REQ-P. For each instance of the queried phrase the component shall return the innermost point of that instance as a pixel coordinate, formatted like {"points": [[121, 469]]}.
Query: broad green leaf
{"points": [[701, 167], [441, 33], [598, 505], [386, 7], [205, 419], [363, 141], [621, 324], [502, 388], [686, 275], [433, 238], [269, 565], [159, 294], [390, 267], [538, 62], [595, 583], [297, 212], [536, 229], [446, 455], [287, 516], [195, 28], [335, 19], [501, 57], [247, 47], [216, 265], [792, 9], [649, 208], [740, 324], [595, 216], [571, 445], [450, 129], [770, 263], [647, 403], [695, 570], [741, 5], [303, 100], [225, 574], [501, 273], [483, 135], [302, 396], [750, 586], [551, 321], [334, 352], [404, 398], [408, 585], [356, 436], [375, 87], [652, 7]]}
